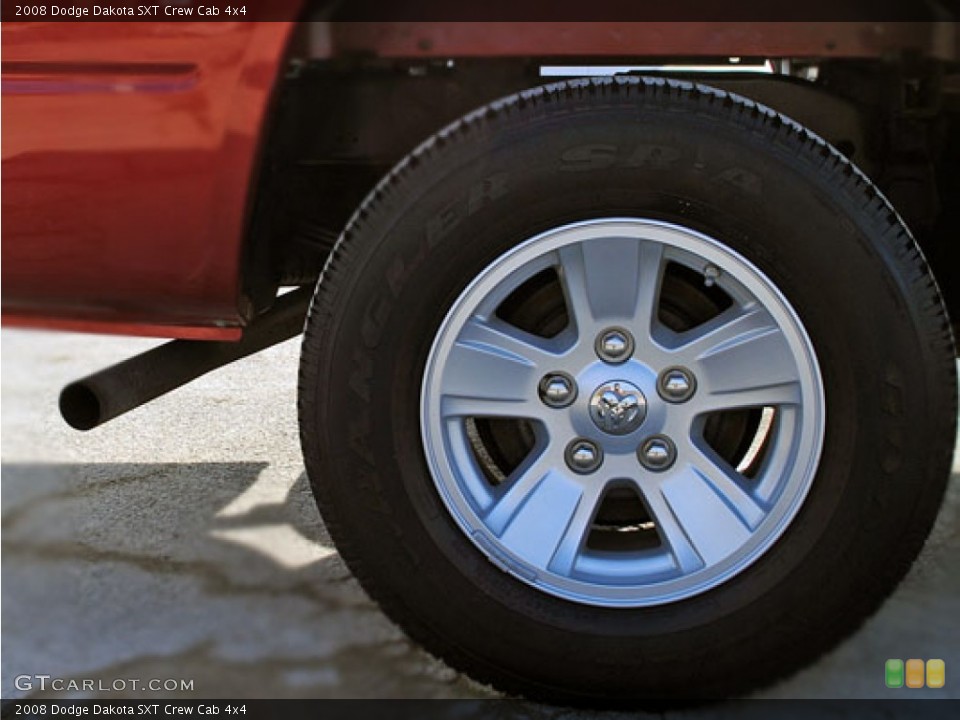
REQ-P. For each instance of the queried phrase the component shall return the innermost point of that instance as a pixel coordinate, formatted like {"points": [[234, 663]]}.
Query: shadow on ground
{"points": [[149, 571]]}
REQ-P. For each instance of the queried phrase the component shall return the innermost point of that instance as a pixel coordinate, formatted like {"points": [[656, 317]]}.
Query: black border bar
{"points": [[485, 11]]}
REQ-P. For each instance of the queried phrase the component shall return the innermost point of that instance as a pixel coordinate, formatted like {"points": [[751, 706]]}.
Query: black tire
{"points": [[737, 171]]}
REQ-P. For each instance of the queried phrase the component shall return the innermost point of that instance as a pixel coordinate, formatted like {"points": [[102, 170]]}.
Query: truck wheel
{"points": [[627, 388]]}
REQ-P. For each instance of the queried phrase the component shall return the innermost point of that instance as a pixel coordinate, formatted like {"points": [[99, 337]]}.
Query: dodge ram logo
{"points": [[618, 407]]}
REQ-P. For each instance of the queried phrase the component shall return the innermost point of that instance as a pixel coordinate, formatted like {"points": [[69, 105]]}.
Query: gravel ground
{"points": [[181, 541]]}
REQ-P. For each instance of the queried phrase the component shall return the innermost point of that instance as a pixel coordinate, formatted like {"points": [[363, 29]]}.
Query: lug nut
{"points": [[558, 389], [657, 453], [614, 345], [676, 384], [583, 456]]}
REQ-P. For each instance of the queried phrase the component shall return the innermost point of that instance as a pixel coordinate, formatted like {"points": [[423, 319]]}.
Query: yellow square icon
{"points": [[914, 673], [936, 673]]}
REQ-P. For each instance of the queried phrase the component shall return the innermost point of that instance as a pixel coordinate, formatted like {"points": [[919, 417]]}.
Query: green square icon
{"points": [[894, 673]]}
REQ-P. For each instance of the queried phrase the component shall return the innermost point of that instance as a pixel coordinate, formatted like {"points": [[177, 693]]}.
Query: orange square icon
{"points": [[936, 673], [915, 672]]}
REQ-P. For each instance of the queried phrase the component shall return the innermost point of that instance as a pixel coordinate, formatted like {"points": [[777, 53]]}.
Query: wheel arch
{"points": [[340, 124]]}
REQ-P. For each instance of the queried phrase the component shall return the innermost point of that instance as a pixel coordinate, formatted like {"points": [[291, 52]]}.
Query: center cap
{"points": [[618, 407]]}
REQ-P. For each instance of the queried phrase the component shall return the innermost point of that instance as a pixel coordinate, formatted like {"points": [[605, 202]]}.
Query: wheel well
{"points": [[340, 124]]}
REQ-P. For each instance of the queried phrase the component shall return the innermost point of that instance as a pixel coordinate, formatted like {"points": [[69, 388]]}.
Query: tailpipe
{"points": [[95, 399]]}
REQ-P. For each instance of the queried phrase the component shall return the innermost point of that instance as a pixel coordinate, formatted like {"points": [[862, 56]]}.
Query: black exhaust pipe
{"points": [[100, 397]]}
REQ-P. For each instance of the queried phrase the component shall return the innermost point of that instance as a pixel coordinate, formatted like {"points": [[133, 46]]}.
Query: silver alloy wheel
{"points": [[709, 519]]}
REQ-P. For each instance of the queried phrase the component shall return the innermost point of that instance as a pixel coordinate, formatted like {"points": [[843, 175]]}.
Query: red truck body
{"points": [[128, 150]]}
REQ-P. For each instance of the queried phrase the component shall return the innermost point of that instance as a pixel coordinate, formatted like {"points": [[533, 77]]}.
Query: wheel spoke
{"points": [[460, 406], [671, 531], [709, 517], [742, 359], [508, 340], [492, 371], [516, 489], [545, 517], [787, 393], [648, 289], [728, 485], [726, 330], [575, 535], [610, 280]]}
